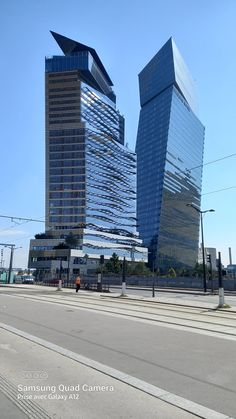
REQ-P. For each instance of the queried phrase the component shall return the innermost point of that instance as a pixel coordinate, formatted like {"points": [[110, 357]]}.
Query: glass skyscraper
{"points": [[90, 174], [169, 149]]}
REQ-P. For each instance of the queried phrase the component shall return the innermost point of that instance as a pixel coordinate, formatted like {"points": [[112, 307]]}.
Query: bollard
{"points": [[99, 283], [221, 297], [123, 289], [59, 288]]}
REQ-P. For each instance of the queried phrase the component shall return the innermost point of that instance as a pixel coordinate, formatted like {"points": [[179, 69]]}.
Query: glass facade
{"points": [[110, 181], [169, 151], [90, 174]]}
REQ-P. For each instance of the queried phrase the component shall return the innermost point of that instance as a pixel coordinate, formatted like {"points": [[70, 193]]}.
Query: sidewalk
{"points": [[172, 301], [9, 410], [45, 384]]}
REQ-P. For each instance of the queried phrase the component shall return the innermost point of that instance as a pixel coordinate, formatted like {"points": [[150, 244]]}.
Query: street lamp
{"points": [[203, 249]]}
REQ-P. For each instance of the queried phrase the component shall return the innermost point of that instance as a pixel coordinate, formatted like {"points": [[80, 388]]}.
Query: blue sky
{"points": [[126, 35]]}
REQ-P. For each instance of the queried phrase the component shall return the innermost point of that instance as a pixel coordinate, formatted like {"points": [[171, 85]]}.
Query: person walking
{"points": [[77, 283]]}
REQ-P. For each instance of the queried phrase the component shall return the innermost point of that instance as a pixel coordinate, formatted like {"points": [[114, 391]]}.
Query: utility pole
{"points": [[203, 256], [100, 275], [153, 278], [2, 261], [68, 267], [203, 248], [221, 288], [10, 265], [211, 273]]}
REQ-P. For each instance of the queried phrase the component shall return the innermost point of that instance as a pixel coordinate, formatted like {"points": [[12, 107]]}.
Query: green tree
{"points": [[198, 269], [140, 268], [43, 236], [172, 273], [113, 264], [61, 246], [71, 241]]}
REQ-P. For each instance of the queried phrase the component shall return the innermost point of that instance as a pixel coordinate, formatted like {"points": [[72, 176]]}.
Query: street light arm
{"points": [[198, 210], [193, 206]]}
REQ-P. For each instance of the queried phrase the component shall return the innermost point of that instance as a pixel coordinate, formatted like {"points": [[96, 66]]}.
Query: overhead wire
{"points": [[219, 190], [213, 161], [27, 220]]}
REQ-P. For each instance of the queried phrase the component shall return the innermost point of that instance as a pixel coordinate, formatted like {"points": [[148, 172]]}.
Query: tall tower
{"points": [[90, 174], [169, 151]]}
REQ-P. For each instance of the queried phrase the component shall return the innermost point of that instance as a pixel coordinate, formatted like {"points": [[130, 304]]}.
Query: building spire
{"points": [[70, 47]]}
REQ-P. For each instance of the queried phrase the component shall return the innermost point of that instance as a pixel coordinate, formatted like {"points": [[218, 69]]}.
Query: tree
{"points": [[198, 269], [71, 241], [140, 268], [113, 264], [61, 246], [172, 273], [43, 236]]}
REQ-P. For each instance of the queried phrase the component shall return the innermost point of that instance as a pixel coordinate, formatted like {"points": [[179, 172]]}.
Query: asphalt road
{"points": [[197, 367]]}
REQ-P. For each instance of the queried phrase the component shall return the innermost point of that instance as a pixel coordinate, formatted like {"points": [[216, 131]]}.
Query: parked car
{"points": [[27, 279]]}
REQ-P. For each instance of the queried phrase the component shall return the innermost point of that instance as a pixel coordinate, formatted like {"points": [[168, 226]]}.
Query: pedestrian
{"points": [[77, 283]]}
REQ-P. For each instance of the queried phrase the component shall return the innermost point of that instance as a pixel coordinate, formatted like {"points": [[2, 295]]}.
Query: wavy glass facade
{"points": [[169, 149], [90, 174], [110, 180]]}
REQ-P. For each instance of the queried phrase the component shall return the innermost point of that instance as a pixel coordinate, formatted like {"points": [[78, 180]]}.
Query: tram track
{"points": [[156, 313]]}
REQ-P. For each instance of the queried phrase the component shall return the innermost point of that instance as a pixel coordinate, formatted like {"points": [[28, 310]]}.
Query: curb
{"points": [[161, 394]]}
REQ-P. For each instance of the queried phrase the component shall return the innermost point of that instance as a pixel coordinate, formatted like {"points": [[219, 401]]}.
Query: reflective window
{"points": [[169, 144]]}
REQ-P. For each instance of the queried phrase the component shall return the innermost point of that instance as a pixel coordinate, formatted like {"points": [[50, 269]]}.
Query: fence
{"points": [[87, 283], [90, 282]]}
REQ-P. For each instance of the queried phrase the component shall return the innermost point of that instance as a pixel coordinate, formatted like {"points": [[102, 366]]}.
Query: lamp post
{"points": [[202, 235]]}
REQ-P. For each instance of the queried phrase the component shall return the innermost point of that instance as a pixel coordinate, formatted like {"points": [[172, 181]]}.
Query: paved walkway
{"points": [[37, 382], [9, 410]]}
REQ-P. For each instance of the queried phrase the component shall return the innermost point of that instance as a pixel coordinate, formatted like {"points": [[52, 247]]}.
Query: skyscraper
{"points": [[90, 174], [169, 151]]}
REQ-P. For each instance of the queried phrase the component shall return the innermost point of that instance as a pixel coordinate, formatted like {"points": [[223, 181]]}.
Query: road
{"points": [[189, 352]]}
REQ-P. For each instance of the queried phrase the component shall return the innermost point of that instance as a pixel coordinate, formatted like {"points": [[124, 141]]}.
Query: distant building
{"points": [[90, 174], [169, 151], [231, 270], [208, 251]]}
